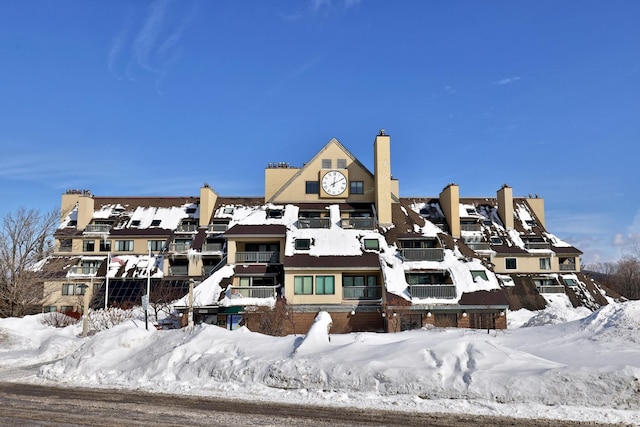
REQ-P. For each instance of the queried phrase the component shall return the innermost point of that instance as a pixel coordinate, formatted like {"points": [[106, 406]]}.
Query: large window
{"points": [[124, 245], [545, 263], [68, 289], [312, 187], [356, 187], [105, 245], [156, 245], [88, 245], [510, 263], [325, 285], [303, 285]]}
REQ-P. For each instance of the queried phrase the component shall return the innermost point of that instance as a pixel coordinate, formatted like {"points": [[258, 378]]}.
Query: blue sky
{"points": [[130, 97]]}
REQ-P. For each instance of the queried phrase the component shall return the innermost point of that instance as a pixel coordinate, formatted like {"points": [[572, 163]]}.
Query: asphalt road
{"points": [[35, 405]]}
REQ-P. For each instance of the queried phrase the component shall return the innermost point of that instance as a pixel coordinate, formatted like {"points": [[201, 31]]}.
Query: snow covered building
{"points": [[330, 235]]}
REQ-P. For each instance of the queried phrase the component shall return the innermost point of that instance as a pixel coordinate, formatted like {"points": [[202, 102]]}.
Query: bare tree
{"points": [[628, 276], [26, 237]]}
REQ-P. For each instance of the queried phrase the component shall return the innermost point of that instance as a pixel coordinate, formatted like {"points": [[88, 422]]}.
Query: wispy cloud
{"points": [[631, 237], [321, 8], [149, 43], [506, 81]]}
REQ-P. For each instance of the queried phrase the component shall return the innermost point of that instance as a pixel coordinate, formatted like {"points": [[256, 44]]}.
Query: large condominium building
{"points": [[330, 235]]}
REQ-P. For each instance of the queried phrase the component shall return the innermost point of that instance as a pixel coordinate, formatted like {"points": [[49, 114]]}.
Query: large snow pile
{"points": [[588, 369]]}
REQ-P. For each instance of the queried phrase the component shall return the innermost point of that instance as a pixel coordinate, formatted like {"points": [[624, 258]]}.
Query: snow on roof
{"points": [[139, 266]]}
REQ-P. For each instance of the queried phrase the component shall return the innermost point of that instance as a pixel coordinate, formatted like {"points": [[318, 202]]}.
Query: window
{"points": [[88, 245], [191, 210], [49, 309], [510, 263], [496, 240], [228, 210], [531, 222], [326, 163], [124, 245], [312, 187], [303, 244], [356, 187], [72, 223], [81, 289], [135, 223], [156, 245], [342, 163], [66, 308], [68, 289], [481, 274], [105, 245], [303, 285], [66, 245], [274, 213], [325, 285], [372, 244], [359, 281], [155, 223], [545, 263]]}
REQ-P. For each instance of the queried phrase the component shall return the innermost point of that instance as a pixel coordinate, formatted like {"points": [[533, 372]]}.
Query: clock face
{"points": [[334, 183]]}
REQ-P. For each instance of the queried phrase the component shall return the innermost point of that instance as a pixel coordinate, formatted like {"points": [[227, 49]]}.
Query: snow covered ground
{"points": [[569, 368]]}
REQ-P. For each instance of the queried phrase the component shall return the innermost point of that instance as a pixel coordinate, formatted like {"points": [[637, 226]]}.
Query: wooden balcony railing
{"points": [[208, 248]]}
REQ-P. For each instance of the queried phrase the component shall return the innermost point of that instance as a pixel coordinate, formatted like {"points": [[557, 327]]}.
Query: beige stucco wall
{"points": [[450, 204], [238, 245], [382, 172], [505, 206], [208, 199], [275, 178], [531, 264], [336, 298], [537, 205], [53, 294]]}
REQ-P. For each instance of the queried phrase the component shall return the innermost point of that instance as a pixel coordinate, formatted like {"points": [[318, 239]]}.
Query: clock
{"points": [[334, 183]]}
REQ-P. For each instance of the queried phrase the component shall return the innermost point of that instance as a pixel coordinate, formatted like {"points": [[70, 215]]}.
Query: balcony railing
{"points": [[83, 270], [361, 292], [478, 246], [270, 257], [97, 228], [358, 223], [179, 247], [254, 291], [211, 248], [179, 270], [217, 228], [537, 245], [470, 227], [443, 291], [423, 254], [567, 267], [314, 222], [186, 228], [551, 289]]}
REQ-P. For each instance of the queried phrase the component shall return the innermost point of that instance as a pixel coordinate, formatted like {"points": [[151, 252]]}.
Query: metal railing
{"points": [[358, 223], [270, 257], [567, 267], [551, 289], [422, 254], [470, 227], [361, 292], [84, 270], [443, 291], [186, 228], [179, 247], [478, 246], [314, 222], [254, 291], [97, 228], [212, 248], [179, 270], [537, 245], [217, 228]]}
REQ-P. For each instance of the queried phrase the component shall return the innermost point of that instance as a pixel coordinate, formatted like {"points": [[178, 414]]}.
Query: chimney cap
{"points": [[382, 132]]}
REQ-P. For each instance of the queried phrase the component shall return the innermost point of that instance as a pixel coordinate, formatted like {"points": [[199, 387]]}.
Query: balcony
{"points": [[470, 227], [212, 248], [358, 223], [550, 289], [422, 254], [270, 257], [180, 247], [178, 270], [314, 223], [254, 291], [187, 228], [97, 228], [217, 228], [83, 270], [537, 245], [361, 292], [478, 246], [567, 267], [442, 291]]}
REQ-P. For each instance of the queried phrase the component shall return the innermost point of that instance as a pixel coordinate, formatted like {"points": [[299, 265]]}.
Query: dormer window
{"points": [[496, 240], [228, 211], [191, 210], [371, 244], [302, 244], [531, 222], [135, 223], [155, 223], [471, 211], [274, 213]]}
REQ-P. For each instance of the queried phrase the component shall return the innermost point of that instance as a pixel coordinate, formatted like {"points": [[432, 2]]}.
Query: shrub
{"points": [[57, 320]]}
